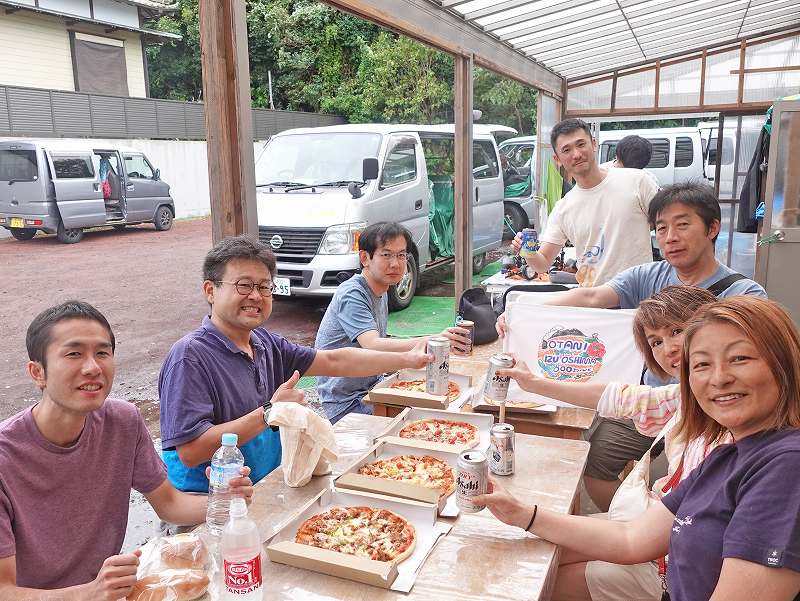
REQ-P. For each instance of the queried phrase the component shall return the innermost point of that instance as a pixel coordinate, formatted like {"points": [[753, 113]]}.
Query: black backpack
{"points": [[476, 307]]}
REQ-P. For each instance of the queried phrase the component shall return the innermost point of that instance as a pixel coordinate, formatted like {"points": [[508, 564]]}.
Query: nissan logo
{"points": [[276, 242]]}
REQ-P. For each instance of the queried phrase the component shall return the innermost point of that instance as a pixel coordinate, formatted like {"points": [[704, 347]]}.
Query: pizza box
{"points": [[400, 577], [410, 414], [352, 480], [384, 393], [482, 404]]}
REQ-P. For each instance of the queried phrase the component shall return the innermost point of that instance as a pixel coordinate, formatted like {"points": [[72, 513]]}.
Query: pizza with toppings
{"points": [[453, 390], [423, 470], [441, 430], [377, 534]]}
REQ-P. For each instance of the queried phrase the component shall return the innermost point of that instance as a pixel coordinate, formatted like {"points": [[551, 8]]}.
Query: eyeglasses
{"points": [[387, 256], [246, 288]]}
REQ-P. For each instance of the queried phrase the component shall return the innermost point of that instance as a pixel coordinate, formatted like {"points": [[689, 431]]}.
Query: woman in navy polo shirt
{"points": [[732, 528]]}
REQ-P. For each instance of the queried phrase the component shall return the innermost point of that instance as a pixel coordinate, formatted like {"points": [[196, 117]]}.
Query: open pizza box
{"points": [[352, 480], [397, 577], [515, 403], [384, 393], [410, 414]]}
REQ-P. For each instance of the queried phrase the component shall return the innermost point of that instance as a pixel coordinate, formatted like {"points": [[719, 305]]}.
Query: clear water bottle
{"points": [[226, 463], [241, 555]]}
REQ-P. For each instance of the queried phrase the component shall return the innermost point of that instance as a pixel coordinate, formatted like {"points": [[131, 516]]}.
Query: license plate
{"points": [[17, 222], [282, 287]]}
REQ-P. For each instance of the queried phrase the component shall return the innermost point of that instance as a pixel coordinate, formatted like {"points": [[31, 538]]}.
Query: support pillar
{"points": [[464, 191]]}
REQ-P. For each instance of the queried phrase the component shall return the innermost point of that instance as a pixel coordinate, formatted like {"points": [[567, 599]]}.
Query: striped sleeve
{"points": [[649, 407]]}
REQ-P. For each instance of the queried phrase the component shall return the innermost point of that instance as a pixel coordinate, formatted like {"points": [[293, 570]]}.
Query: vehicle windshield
{"points": [[18, 165], [315, 158]]}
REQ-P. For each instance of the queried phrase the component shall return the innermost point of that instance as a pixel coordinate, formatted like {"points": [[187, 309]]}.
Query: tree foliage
{"points": [[327, 61]]}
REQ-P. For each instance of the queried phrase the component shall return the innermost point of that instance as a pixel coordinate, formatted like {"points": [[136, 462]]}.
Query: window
{"points": [[684, 152], [660, 158], [72, 166], [727, 151], [18, 166], [138, 167], [608, 151], [484, 160], [401, 165]]}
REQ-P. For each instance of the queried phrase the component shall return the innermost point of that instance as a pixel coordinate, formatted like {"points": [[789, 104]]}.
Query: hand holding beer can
{"points": [[530, 243], [470, 327], [472, 478], [438, 371], [496, 387]]}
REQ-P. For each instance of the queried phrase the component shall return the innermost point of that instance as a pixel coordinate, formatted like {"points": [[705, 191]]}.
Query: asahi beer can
{"points": [[501, 449], [468, 325], [438, 372], [471, 479], [496, 388], [530, 242]]}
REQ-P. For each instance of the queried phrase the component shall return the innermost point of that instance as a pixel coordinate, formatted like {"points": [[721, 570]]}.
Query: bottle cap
{"points": [[238, 507], [230, 439]]}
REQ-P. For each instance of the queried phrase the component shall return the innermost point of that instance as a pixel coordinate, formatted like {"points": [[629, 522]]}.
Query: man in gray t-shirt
{"points": [[358, 315], [686, 219]]}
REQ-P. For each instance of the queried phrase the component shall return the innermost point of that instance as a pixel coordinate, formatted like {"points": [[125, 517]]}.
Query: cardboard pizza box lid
{"points": [[392, 488], [376, 573], [481, 420], [481, 404], [384, 393]]}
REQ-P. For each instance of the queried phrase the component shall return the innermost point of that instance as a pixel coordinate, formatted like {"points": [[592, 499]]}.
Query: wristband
{"points": [[533, 517]]}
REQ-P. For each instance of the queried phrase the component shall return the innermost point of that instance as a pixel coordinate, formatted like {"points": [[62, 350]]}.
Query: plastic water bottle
{"points": [[241, 555], [225, 464]]}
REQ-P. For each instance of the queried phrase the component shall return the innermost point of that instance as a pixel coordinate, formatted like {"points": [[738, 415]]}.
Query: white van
{"points": [[318, 188], [678, 152]]}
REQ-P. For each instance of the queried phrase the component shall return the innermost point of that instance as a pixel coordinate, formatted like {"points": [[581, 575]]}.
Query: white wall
{"points": [[116, 12], [73, 7]]}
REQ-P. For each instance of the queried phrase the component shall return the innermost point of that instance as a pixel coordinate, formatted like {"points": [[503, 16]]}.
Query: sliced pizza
{"points": [[377, 534], [442, 430], [453, 390], [423, 470]]}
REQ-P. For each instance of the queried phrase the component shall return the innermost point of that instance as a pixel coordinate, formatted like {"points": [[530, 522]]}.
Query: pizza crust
{"points": [[411, 431], [453, 389], [412, 465]]}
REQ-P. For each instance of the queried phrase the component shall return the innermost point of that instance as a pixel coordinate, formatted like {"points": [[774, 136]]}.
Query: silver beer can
{"points": [[501, 449], [496, 388], [471, 479], [438, 372]]}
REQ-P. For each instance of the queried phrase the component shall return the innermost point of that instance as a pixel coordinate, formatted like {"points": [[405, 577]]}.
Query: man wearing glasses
{"points": [[225, 376], [358, 315]]}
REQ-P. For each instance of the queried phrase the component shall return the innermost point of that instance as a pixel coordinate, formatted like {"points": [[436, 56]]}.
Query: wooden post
{"points": [[226, 92], [463, 174]]}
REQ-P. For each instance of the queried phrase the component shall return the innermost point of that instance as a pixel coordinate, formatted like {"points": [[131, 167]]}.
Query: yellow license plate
{"points": [[17, 222]]}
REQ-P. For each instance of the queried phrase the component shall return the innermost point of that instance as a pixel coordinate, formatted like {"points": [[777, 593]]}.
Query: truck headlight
{"points": [[341, 239]]}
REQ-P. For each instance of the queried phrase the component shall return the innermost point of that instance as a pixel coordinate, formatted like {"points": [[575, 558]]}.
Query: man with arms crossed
{"points": [[358, 314], [67, 466], [604, 215], [225, 376], [686, 218]]}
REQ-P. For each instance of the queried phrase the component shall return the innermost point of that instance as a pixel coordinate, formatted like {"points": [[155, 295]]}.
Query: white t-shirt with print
{"points": [[607, 225]]}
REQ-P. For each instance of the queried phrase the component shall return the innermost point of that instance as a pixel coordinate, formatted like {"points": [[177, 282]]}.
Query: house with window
{"points": [[95, 46]]}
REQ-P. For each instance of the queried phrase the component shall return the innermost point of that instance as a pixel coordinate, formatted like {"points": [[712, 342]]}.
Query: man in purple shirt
{"points": [[225, 376], [67, 466]]}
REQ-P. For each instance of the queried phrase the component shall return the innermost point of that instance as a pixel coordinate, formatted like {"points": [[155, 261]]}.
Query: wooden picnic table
{"points": [[480, 558], [565, 422]]}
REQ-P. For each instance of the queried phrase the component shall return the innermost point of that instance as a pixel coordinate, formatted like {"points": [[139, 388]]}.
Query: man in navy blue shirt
{"points": [[224, 376]]}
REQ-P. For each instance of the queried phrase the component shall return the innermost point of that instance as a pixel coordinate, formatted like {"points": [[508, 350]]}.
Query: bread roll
{"points": [[185, 585], [184, 551]]}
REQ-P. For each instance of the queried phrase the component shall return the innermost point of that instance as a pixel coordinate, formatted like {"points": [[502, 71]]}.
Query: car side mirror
{"points": [[369, 169], [157, 175]]}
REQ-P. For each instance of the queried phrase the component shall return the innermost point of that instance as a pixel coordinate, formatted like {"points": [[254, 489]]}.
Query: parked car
{"points": [[63, 189], [521, 207], [318, 188]]}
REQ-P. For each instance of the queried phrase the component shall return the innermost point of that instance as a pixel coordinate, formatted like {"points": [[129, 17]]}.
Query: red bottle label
{"points": [[243, 577]]}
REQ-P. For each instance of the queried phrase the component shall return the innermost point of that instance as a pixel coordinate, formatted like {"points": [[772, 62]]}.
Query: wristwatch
{"points": [[267, 408]]}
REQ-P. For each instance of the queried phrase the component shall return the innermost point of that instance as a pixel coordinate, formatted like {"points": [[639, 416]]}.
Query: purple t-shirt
{"points": [[742, 502], [206, 380], [63, 511]]}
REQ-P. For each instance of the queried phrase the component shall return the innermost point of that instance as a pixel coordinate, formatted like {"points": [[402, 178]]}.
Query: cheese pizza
{"points": [[377, 534], [441, 430], [423, 470], [453, 390]]}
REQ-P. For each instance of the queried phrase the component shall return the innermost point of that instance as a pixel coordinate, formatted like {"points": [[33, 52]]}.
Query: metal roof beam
{"points": [[431, 24]]}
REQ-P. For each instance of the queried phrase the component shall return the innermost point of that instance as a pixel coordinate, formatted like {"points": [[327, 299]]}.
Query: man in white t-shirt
{"points": [[604, 215]]}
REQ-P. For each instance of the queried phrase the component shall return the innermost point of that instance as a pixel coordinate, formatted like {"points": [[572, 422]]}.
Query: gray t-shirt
{"points": [[354, 310], [642, 281]]}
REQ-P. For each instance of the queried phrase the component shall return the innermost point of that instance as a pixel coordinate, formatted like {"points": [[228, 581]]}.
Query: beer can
{"points": [[438, 372], [467, 325], [471, 479], [501, 449], [496, 388], [530, 242]]}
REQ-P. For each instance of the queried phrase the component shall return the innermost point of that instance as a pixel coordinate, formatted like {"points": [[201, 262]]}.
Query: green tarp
{"points": [[518, 189], [440, 215]]}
